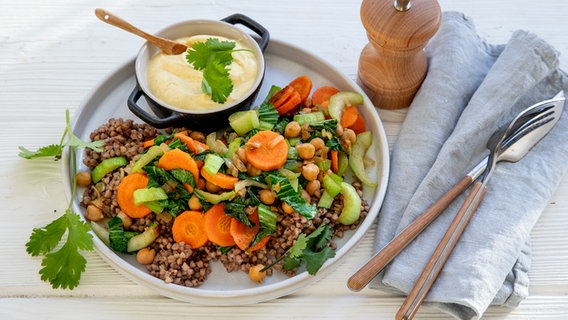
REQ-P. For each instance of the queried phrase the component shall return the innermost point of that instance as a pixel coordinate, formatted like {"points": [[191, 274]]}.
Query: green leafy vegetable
{"points": [[213, 57], [53, 150], [236, 209], [285, 192], [312, 249], [62, 266], [118, 236], [267, 116]]}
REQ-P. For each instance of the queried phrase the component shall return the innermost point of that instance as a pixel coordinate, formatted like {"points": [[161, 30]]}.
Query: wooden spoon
{"points": [[167, 46]]}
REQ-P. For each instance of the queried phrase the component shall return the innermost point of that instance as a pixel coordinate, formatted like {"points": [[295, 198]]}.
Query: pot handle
{"points": [[251, 24], [147, 117]]}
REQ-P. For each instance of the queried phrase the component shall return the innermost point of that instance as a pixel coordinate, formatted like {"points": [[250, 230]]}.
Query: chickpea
{"points": [[194, 203], [266, 196], [211, 187], [287, 208], [145, 256], [292, 129], [313, 186], [200, 184], [256, 275], [318, 143], [306, 150], [126, 220], [83, 179], [94, 213], [197, 135], [252, 171], [310, 171]]}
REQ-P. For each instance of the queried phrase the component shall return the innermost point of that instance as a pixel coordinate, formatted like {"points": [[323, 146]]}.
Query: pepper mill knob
{"points": [[393, 64]]}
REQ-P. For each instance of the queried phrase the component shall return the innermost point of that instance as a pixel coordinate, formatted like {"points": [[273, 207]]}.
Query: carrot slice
{"points": [[189, 227], [359, 125], [290, 105], [349, 116], [125, 195], [244, 235], [192, 144], [266, 150], [222, 180], [217, 226], [280, 96], [334, 157], [302, 85], [285, 100], [322, 94], [177, 159], [148, 143], [259, 245]]}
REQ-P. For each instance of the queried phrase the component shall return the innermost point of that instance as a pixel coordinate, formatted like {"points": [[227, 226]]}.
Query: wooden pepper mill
{"points": [[393, 64]]}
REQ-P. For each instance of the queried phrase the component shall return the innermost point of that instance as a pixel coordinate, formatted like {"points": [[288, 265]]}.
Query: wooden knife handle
{"points": [[377, 263], [441, 254]]}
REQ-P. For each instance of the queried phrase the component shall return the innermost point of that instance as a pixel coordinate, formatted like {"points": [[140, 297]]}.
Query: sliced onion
{"points": [[241, 184]]}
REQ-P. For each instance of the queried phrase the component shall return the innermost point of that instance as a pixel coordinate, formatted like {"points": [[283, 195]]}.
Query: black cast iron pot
{"points": [[160, 114]]}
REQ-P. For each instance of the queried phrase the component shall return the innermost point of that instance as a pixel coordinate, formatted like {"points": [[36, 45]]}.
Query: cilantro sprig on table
{"points": [[214, 57], [62, 264]]}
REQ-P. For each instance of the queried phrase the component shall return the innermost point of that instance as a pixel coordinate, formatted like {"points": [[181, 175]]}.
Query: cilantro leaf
{"points": [[315, 260], [53, 150], [43, 240], [62, 267], [312, 249], [216, 82], [74, 141], [299, 246], [213, 57]]}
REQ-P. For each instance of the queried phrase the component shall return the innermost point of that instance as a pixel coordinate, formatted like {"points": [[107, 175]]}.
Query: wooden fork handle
{"points": [[441, 254], [382, 258]]}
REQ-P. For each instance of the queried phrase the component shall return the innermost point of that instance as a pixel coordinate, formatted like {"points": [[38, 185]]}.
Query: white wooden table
{"points": [[53, 52]]}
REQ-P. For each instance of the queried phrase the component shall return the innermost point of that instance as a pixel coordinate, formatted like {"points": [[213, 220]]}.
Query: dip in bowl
{"points": [[171, 87]]}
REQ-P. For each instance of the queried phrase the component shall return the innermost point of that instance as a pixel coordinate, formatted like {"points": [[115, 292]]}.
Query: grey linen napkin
{"points": [[471, 89]]}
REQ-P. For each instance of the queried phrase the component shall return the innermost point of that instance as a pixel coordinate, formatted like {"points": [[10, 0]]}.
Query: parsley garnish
{"points": [[62, 266], [213, 57]]}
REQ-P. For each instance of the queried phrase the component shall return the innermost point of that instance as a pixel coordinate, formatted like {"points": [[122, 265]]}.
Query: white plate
{"points": [[284, 62]]}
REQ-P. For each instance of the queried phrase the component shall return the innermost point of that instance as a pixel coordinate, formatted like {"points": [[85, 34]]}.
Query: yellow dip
{"points": [[175, 82]]}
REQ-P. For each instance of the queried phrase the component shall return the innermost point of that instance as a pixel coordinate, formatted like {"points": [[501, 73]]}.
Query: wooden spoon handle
{"points": [[380, 260], [441, 254], [116, 21], [167, 46]]}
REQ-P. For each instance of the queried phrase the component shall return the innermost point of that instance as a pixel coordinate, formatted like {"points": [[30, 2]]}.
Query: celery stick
{"points": [[107, 166]]}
